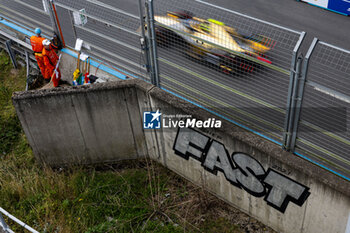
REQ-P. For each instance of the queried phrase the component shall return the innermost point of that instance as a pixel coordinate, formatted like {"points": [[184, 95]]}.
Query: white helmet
{"points": [[46, 42]]}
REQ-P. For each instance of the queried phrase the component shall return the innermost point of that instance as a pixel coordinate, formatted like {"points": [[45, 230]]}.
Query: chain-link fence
{"points": [[112, 34], [323, 133], [227, 62], [30, 13], [242, 69]]}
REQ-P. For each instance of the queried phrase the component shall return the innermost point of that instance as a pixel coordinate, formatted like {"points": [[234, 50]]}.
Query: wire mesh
{"points": [[232, 64], [30, 13], [113, 34], [104, 12], [323, 131]]}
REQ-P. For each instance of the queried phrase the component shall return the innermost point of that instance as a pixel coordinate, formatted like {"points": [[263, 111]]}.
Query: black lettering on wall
{"points": [[249, 174], [282, 190], [218, 159], [241, 170]]}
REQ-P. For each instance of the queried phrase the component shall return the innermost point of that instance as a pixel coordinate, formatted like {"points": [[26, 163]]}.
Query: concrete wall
{"points": [[82, 126], [104, 123]]}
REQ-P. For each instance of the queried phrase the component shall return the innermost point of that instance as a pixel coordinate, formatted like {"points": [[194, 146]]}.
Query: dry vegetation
{"points": [[133, 196]]}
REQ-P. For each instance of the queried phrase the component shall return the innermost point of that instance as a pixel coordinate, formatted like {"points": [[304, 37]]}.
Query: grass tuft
{"points": [[133, 196]]}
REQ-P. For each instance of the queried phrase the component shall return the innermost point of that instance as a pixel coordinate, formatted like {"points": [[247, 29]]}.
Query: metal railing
{"points": [[245, 70], [6, 228]]}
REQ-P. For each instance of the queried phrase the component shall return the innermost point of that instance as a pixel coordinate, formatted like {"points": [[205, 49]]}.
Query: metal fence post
{"points": [[301, 93], [148, 39], [287, 120], [145, 46], [154, 44], [52, 17], [8, 44], [293, 102], [54, 20], [28, 69], [4, 225]]}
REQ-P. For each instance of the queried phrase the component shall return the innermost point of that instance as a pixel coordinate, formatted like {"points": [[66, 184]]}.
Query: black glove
{"points": [[56, 43]]}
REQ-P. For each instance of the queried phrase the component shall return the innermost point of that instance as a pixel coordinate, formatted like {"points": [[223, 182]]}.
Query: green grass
{"points": [[134, 196]]}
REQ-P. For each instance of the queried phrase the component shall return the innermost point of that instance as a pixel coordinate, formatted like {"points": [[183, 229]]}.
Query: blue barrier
{"points": [[337, 6]]}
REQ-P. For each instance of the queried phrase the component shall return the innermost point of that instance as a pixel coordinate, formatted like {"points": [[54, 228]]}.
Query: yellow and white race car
{"points": [[213, 42]]}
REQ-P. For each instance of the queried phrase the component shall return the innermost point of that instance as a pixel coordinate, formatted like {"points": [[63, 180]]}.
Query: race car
{"points": [[213, 42]]}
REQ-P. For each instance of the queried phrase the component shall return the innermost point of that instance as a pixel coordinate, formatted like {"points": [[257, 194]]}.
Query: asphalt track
{"points": [[261, 94], [325, 25]]}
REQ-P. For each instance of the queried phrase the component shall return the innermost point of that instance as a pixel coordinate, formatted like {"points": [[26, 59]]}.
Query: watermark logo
{"points": [[191, 123], [152, 120], [157, 120]]}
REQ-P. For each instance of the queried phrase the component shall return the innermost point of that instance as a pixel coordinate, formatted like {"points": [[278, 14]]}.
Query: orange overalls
{"points": [[37, 47], [50, 61]]}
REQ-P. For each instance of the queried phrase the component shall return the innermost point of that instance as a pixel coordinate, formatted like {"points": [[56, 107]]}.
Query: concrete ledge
{"points": [[103, 123], [228, 128], [74, 89]]}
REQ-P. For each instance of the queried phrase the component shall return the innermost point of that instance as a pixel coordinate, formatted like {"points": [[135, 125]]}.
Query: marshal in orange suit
{"points": [[37, 45], [50, 61]]}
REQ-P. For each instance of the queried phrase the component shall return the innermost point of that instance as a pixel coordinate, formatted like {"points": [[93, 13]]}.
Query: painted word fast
{"points": [[241, 170]]}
